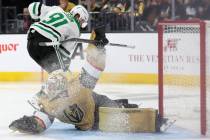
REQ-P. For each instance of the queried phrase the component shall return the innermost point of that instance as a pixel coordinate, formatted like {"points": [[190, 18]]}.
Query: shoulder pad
{"points": [[35, 10]]}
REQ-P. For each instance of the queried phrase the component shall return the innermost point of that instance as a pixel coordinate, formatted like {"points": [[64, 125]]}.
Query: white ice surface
{"points": [[13, 105]]}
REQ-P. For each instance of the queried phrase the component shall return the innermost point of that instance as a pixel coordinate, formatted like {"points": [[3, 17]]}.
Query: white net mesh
{"points": [[208, 74], [181, 76]]}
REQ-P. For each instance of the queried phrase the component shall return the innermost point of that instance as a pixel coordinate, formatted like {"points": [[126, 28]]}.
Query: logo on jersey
{"points": [[171, 45], [74, 113], [10, 47]]}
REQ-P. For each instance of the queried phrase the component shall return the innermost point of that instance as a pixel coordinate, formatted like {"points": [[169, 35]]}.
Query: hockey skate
{"points": [[27, 124], [163, 124]]}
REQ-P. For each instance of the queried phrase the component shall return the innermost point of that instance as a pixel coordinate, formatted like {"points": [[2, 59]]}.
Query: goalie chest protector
{"points": [[127, 119]]}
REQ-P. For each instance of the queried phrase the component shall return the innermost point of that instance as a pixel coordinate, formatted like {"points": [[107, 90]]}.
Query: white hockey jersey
{"points": [[54, 23]]}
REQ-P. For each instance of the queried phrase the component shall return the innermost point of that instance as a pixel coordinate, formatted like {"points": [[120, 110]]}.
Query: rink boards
{"points": [[123, 65]]}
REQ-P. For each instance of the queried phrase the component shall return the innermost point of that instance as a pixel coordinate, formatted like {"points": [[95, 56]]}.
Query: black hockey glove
{"points": [[27, 124], [102, 42], [100, 38]]}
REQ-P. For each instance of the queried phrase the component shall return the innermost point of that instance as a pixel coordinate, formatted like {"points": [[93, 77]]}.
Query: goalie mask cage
{"points": [[184, 73]]}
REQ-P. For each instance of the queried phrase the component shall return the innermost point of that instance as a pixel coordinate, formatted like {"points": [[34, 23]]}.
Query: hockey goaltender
{"points": [[73, 101]]}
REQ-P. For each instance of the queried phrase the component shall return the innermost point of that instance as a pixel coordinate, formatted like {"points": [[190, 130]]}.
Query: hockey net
{"points": [[184, 73]]}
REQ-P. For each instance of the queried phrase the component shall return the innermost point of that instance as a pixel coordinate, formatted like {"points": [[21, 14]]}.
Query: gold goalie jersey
{"points": [[71, 101]]}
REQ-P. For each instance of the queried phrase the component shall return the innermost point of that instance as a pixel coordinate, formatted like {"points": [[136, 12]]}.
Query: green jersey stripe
{"points": [[76, 21], [72, 19], [46, 30], [60, 23], [34, 8], [52, 29], [39, 9]]}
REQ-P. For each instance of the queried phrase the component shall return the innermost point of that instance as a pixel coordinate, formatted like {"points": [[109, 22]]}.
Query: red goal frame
{"points": [[203, 110]]}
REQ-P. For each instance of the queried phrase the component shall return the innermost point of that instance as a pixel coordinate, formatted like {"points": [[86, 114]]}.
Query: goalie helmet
{"points": [[56, 84], [82, 12]]}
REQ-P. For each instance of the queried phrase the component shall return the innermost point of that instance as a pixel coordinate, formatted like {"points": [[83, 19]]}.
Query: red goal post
{"points": [[183, 69]]}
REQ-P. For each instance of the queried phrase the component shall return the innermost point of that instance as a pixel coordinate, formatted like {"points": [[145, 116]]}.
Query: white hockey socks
{"points": [[43, 118]]}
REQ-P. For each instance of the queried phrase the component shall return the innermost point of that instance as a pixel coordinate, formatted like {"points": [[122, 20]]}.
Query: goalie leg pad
{"points": [[127, 119]]}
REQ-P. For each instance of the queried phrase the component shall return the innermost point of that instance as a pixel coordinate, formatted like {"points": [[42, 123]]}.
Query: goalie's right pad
{"points": [[127, 119]]}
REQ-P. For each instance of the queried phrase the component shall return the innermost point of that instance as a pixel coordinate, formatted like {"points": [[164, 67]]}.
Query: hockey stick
{"points": [[84, 41], [56, 47]]}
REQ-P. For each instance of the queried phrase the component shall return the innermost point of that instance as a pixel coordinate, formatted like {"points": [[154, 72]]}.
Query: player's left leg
{"points": [[45, 56]]}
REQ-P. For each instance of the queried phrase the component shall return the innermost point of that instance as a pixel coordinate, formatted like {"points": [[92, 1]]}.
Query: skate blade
{"points": [[167, 125]]}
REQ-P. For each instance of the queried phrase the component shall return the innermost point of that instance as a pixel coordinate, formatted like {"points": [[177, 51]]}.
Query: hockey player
{"points": [[70, 101], [53, 24]]}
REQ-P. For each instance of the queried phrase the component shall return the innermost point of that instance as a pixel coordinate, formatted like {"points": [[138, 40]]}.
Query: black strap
{"points": [[65, 50], [39, 9], [51, 29]]}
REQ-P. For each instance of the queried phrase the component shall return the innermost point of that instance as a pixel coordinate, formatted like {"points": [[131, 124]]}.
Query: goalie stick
{"points": [[79, 40]]}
